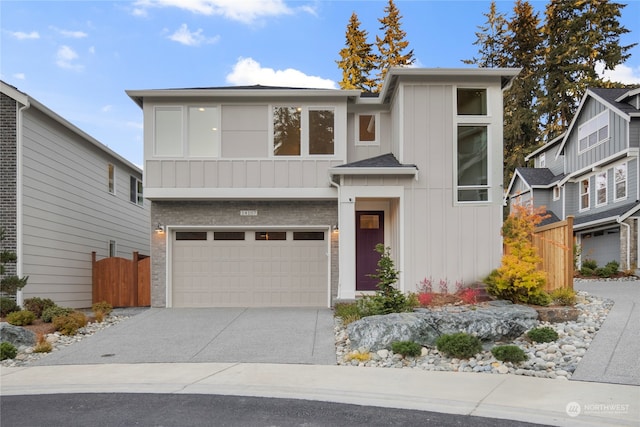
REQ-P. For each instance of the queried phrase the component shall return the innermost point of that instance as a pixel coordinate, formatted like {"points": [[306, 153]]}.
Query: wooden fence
{"points": [[122, 282], [555, 247]]}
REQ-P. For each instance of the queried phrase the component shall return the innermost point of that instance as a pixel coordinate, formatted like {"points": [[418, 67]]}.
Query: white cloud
{"points": [[65, 58], [245, 11], [247, 71], [622, 73], [92, 50], [106, 108], [69, 33], [25, 36], [20, 76], [191, 38]]}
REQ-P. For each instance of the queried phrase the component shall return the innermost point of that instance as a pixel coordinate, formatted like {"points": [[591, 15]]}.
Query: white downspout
{"points": [[19, 226], [628, 254], [335, 184]]}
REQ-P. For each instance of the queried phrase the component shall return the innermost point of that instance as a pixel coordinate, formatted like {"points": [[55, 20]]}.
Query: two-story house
{"points": [[272, 196], [63, 195], [591, 172]]}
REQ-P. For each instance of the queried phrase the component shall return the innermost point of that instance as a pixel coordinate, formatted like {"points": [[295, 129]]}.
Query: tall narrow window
{"points": [[620, 177], [584, 194], [204, 129], [601, 189], [112, 248], [286, 131], [367, 128], [168, 131], [135, 191], [472, 164], [321, 131], [542, 160], [112, 178]]}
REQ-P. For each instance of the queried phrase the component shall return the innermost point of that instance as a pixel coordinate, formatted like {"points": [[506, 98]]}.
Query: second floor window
{"points": [[620, 181], [367, 133], [594, 131], [303, 131], [584, 194], [472, 164], [135, 192], [111, 170], [601, 189], [542, 160]]}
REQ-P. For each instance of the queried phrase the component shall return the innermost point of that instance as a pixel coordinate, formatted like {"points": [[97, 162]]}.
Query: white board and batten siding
{"points": [[68, 211]]}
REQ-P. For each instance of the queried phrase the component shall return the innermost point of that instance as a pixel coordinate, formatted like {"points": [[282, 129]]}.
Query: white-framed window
{"points": [[168, 132], [203, 131], [367, 129], [111, 172], [593, 132], [112, 248], [601, 188], [542, 161], [556, 193], [585, 197], [135, 191], [471, 101], [472, 163], [303, 131], [620, 182]]}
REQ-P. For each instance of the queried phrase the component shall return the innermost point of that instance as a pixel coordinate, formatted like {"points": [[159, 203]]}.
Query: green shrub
{"points": [[564, 296], [543, 334], [102, 307], [37, 305], [460, 345], [590, 264], [70, 323], [509, 353], [7, 351], [348, 312], [50, 313], [539, 297], [610, 269], [21, 318], [406, 348], [7, 305]]}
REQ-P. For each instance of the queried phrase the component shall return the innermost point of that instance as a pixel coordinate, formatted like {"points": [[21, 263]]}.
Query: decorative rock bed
{"points": [[557, 359]]}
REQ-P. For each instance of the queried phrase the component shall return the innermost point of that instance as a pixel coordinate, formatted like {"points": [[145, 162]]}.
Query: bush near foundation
{"points": [[21, 318], [38, 305], [7, 305]]}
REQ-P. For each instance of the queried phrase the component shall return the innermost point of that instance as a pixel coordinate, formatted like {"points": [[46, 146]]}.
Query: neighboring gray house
{"points": [[270, 196], [63, 195], [591, 172]]}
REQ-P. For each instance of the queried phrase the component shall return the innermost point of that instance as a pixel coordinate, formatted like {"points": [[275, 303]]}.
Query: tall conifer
{"points": [[491, 40], [357, 58], [392, 45]]}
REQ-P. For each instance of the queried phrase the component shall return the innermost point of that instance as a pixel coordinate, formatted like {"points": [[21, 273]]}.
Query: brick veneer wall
{"points": [[8, 176], [227, 213]]}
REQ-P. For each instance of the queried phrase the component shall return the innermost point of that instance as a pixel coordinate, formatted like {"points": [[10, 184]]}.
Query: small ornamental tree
{"points": [[9, 284], [518, 278]]}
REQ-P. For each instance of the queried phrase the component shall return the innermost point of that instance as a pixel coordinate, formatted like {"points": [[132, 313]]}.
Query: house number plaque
{"points": [[248, 213]]}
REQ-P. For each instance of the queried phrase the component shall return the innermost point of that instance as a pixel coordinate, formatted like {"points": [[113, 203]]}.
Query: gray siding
{"points": [[634, 133], [554, 165], [617, 138], [8, 177], [68, 211]]}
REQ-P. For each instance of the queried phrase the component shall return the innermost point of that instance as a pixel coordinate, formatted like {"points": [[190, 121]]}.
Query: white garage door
{"points": [[263, 268], [601, 246]]}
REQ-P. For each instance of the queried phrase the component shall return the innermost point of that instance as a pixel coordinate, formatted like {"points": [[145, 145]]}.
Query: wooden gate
{"points": [[122, 282], [555, 247]]}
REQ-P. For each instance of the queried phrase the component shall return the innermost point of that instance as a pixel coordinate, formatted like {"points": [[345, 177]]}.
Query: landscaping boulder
{"points": [[16, 335], [557, 314], [492, 322]]}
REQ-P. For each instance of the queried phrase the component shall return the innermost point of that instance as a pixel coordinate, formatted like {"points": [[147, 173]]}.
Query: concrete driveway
{"points": [[236, 335]]}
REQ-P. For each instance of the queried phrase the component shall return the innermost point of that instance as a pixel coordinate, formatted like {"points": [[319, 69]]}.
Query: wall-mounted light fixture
{"points": [[159, 228], [335, 228]]}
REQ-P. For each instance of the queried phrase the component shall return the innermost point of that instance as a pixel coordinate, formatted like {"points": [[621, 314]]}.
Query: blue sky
{"points": [[79, 57]]}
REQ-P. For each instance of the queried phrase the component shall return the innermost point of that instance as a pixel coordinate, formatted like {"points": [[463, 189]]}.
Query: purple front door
{"points": [[369, 232]]}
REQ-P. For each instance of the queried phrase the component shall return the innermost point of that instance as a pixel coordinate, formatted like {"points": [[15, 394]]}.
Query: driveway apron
{"points": [[243, 335]]}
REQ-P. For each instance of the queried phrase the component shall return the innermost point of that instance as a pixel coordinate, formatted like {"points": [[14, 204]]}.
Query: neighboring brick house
{"points": [[591, 173], [63, 195], [271, 196]]}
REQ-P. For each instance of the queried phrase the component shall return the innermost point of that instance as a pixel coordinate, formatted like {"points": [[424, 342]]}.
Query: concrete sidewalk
{"points": [[544, 401], [614, 354]]}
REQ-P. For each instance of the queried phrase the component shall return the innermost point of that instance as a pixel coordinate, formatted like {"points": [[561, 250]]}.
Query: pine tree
{"points": [[579, 35], [491, 40], [392, 46], [524, 43], [10, 283], [357, 58]]}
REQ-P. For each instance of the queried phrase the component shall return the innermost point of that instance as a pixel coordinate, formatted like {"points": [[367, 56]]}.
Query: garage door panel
{"points": [[250, 272]]}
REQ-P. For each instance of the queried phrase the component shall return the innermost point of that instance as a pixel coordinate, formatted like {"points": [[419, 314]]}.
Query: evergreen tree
{"points": [[10, 283], [579, 35], [491, 40], [392, 46], [357, 58], [524, 43]]}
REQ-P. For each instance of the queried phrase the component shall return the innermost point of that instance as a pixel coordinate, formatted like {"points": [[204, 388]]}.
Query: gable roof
{"points": [[545, 147], [30, 102], [616, 214], [537, 176], [609, 96]]}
